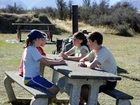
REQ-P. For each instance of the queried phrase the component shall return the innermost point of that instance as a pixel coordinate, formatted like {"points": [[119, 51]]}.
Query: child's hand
{"points": [[62, 61], [81, 60], [58, 59], [63, 55], [82, 64]]}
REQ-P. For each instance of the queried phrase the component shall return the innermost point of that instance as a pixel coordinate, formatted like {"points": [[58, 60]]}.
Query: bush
{"points": [[6, 21], [136, 23], [123, 30], [121, 16], [44, 19], [35, 20], [23, 19]]}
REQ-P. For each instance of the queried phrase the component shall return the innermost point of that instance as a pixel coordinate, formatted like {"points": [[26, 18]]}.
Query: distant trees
{"points": [[86, 3], [121, 16], [13, 9], [62, 9]]}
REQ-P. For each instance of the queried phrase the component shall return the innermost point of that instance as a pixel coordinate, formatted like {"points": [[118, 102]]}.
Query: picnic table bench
{"points": [[20, 30], [121, 97], [39, 97]]}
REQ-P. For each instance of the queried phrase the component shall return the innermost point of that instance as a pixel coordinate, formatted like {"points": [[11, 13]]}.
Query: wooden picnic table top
{"points": [[24, 24], [72, 70]]}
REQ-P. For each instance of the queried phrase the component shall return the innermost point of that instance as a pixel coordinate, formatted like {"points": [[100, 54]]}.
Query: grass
{"points": [[125, 49]]}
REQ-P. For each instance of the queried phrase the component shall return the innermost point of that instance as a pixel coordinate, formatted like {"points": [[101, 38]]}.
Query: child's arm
{"points": [[88, 64], [65, 55], [51, 62]]}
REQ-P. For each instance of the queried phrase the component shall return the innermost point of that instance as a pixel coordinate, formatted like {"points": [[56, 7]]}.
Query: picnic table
{"points": [[78, 76], [21, 28]]}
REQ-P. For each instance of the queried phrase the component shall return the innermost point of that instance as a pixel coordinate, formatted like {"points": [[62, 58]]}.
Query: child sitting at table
{"points": [[42, 52], [79, 50], [100, 57], [31, 63]]}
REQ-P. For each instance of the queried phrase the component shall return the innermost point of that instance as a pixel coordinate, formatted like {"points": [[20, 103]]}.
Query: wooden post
{"points": [[18, 34], [74, 18]]}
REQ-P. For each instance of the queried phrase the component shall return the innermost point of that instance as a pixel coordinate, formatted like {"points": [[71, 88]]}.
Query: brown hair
{"points": [[81, 36], [96, 36], [28, 42]]}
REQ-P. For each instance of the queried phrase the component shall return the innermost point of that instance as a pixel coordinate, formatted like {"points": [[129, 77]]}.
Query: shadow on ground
{"points": [[124, 73], [51, 102]]}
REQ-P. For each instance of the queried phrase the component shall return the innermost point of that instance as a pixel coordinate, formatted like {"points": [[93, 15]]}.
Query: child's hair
{"points": [[84, 32], [96, 36], [81, 36], [28, 42], [33, 35]]}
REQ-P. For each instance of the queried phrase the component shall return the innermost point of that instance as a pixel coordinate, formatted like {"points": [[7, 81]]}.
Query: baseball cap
{"points": [[34, 34]]}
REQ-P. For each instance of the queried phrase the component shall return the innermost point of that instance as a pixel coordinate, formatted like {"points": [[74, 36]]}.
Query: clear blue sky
{"points": [[52, 3]]}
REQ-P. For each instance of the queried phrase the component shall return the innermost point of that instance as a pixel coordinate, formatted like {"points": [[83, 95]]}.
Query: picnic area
{"points": [[120, 26], [125, 49]]}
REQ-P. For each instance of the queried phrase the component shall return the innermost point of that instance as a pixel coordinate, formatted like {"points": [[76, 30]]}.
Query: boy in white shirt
{"points": [[99, 57]]}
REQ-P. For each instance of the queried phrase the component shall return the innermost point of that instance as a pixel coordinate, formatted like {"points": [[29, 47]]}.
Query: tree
{"points": [[62, 7], [69, 8], [86, 3], [104, 7], [14, 9]]}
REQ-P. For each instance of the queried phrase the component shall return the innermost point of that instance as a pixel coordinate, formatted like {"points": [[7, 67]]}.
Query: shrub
{"points": [[6, 21], [23, 19], [123, 30], [35, 20], [44, 19], [136, 23]]}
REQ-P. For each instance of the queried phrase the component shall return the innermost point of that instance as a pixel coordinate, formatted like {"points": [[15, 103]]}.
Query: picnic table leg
{"points": [[9, 89], [42, 67], [75, 93], [55, 76], [94, 90], [123, 102], [39, 101], [18, 34]]}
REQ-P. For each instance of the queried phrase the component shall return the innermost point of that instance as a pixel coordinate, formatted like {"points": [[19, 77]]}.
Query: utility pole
{"points": [[74, 18]]}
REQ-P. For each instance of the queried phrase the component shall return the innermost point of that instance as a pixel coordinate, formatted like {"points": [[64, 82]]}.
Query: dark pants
{"points": [[110, 85], [85, 90]]}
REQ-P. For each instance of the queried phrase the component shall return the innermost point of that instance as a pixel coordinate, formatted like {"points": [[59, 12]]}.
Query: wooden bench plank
{"points": [[30, 30], [19, 29], [118, 94], [121, 97], [31, 24], [18, 79]]}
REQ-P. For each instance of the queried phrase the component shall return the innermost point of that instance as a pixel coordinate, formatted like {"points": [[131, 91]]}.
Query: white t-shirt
{"points": [[106, 59], [78, 51], [31, 64]]}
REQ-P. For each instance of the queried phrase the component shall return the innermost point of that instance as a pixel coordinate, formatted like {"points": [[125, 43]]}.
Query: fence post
{"points": [[74, 18]]}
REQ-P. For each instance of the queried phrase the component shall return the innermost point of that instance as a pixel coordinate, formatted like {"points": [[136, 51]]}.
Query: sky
{"points": [[28, 4], [52, 3]]}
